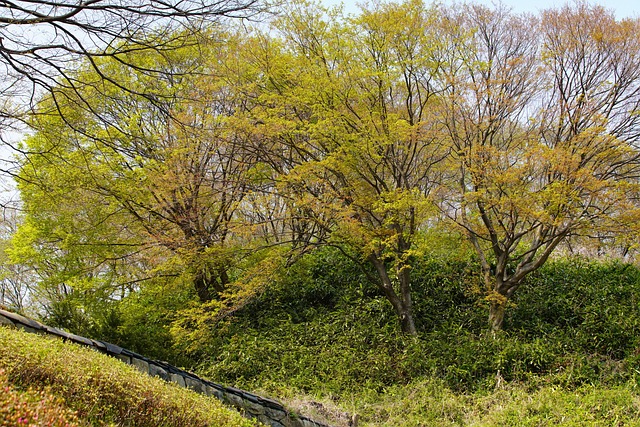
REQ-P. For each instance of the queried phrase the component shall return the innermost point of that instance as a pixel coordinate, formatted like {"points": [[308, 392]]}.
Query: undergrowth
{"points": [[325, 329], [33, 408], [571, 339], [430, 403]]}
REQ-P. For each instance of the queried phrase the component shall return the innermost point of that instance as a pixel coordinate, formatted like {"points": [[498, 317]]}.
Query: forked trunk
{"points": [[403, 309], [210, 283], [401, 303]]}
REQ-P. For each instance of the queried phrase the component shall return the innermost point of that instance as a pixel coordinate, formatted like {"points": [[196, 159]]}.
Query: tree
{"points": [[43, 42], [16, 281], [154, 197], [353, 142], [542, 117]]}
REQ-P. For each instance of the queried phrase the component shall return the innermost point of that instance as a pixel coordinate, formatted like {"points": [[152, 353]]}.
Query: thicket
{"points": [[323, 328]]}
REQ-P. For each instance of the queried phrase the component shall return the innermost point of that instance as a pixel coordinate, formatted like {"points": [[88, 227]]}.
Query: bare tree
{"points": [[15, 280], [43, 42]]}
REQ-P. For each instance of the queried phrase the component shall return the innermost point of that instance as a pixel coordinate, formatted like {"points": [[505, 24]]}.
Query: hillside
{"points": [[569, 354], [47, 382]]}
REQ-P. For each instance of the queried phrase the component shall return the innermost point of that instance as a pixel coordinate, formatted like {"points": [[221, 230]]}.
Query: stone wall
{"points": [[268, 411]]}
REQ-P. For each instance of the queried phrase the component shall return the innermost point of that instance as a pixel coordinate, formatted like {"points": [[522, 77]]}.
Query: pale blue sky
{"points": [[622, 8]]}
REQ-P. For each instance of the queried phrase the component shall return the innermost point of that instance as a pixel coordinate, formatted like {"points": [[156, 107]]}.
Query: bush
{"points": [[33, 408], [324, 328], [592, 307], [103, 390]]}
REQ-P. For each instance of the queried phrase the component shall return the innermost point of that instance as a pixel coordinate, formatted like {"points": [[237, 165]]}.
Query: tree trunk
{"points": [[406, 319], [209, 282], [201, 284], [403, 310], [402, 306], [496, 315], [407, 324]]}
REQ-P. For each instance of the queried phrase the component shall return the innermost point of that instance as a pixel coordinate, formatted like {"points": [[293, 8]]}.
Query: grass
{"points": [[48, 382], [428, 402]]}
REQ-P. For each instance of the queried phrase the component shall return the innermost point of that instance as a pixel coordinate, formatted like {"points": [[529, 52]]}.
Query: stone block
{"points": [[5, 321], [194, 384], [254, 408], [234, 399], [112, 348], [215, 392], [140, 364], [178, 379], [276, 414], [123, 358], [157, 371]]}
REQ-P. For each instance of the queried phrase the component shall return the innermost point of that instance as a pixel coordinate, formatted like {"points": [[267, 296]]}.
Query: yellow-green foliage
{"points": [[102, 390], [33, 408]]}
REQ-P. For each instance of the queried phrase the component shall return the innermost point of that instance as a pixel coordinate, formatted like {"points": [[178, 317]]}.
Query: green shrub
{"points": [[591, 306], [103, 390], [324, 328], [33, 408]]}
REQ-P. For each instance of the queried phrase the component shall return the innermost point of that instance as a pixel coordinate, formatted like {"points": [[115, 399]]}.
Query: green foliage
{"points": [[323, 328], [102, 390], [140, 321], [593, 305], [430, 403]]}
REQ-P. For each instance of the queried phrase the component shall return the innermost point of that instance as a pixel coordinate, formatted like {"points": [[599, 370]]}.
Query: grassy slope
{"points": [[48, 382], [429, 402]]}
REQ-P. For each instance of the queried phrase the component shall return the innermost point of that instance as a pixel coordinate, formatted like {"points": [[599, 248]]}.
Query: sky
{"points": [[622, 8]]}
